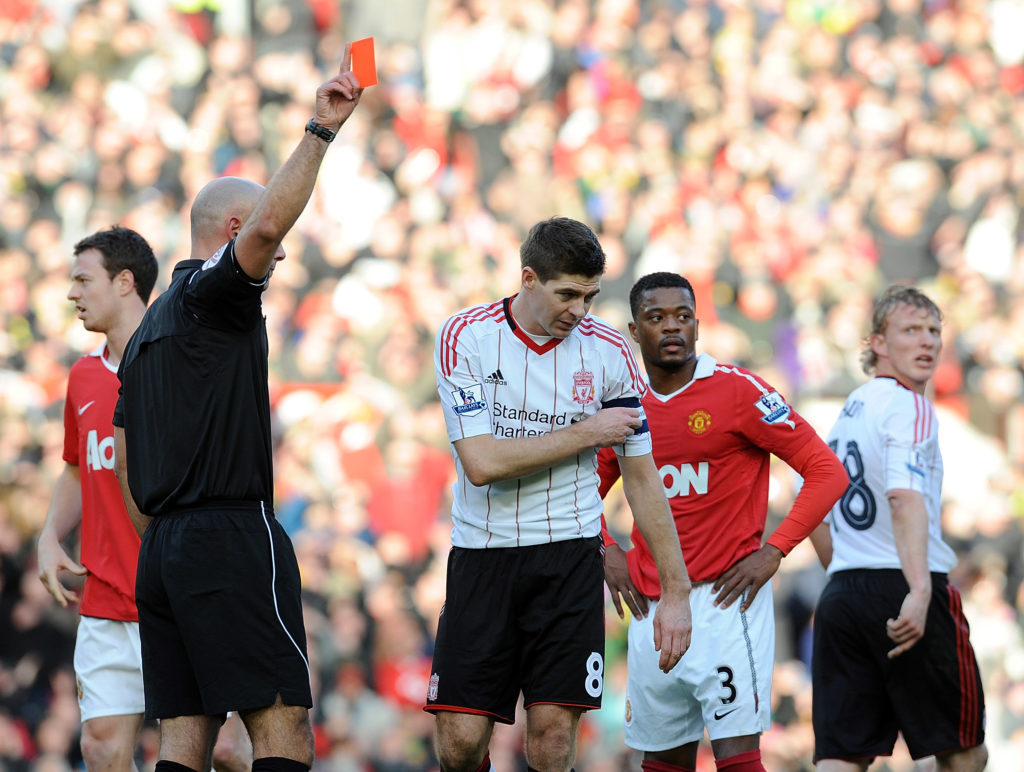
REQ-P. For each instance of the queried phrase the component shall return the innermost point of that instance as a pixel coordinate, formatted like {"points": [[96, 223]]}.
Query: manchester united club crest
{"points": [[583, 387], [699, 422]]}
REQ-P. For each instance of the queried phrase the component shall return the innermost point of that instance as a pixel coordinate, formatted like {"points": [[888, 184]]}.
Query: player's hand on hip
{"points": [[747, 575], [338, 97], [52, 559], [616, 575], [612, 425], [672, 627], [908, 628]]}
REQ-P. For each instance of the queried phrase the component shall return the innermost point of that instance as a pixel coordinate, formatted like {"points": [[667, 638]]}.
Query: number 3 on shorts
{"points": [[595, 674]]}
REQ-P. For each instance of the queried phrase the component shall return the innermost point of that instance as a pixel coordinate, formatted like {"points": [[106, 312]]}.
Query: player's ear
{"points": [[632, 332], [877, 343], [530, 278], [125, 282], [233, 225]]}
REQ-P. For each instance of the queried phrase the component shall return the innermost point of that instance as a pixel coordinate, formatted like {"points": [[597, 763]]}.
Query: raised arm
{"points": [[290, 188]]}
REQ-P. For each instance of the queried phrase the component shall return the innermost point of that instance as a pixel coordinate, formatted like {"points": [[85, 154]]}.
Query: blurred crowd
{"points": [[791, 157]]}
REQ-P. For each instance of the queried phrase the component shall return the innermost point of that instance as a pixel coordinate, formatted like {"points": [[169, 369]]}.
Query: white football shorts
{"points": [[108, 668], [723, 682]]}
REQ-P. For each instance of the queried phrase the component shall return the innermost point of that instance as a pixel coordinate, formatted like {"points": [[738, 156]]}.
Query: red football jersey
{"points": [[109, 544], [712, 443]]}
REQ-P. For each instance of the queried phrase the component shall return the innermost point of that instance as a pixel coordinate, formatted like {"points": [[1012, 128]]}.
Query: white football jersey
{"points": [[887, 437], [494, 378]]}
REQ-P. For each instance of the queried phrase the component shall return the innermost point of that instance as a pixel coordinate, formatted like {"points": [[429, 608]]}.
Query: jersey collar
{"points": [[706, 365], [185, 266], [101, 353]]}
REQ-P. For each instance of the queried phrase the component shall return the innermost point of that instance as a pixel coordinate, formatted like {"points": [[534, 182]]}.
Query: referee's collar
{"points": [[185, 266]]}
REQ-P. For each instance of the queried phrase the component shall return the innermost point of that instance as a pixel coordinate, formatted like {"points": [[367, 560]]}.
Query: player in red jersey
{"points": [[111, 280], [714, 428]]}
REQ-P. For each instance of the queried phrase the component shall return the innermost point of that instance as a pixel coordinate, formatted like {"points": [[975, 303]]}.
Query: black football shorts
{"points": [[220, 614], [931, 693], [520, 619]]}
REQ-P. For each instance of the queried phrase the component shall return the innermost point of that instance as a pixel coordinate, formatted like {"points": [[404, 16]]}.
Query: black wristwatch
{"points": [[321, 131]]}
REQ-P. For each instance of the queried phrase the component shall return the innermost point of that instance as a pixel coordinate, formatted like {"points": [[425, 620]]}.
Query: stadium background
{"points": [[791, 158]]}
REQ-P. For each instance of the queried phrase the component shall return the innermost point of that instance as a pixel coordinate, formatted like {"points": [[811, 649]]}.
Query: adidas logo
{"points": [[496, 378]]}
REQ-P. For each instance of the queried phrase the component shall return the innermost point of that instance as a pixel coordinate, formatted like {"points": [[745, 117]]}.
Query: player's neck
{"points": [[119, 334], [524, 320], [906, 383], [670, 381]]}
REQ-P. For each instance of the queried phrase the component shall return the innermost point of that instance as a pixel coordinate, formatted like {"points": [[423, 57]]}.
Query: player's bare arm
{"points": [[487, 459], [64, 514], [910, 530], [821, 540], [289, 190], [139, 520], [646, 496], [616, 576]]}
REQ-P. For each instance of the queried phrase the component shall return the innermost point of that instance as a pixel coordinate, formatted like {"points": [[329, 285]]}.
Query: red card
{"points": [[363, 65]]}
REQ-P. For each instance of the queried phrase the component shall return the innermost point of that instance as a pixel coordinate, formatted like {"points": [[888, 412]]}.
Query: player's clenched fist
{"points": [[612, 425]]}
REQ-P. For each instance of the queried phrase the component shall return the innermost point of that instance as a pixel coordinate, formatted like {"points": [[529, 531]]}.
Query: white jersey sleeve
{"points": [[911, 457], [460, 380]]}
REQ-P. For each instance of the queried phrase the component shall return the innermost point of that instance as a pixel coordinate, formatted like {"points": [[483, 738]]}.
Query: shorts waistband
{"points": [[221, 505], [867, 572]]}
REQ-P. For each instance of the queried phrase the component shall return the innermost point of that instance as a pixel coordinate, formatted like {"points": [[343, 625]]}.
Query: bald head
{"points": [[219, 209]]}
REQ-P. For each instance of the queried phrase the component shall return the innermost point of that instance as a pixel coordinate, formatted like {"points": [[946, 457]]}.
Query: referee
{"points": [[218, 584]]}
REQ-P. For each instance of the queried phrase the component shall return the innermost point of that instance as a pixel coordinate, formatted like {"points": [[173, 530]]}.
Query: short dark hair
{"points": [[894, 295], [124, 249], [562, 246], [654, 281]]}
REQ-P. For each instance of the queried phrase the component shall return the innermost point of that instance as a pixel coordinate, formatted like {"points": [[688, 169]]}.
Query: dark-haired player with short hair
{"points": [[531, 387], [111, 280], [892, 651], [714, 428]]}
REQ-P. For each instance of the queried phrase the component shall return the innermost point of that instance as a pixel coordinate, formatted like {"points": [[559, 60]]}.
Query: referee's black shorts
{"points": [[527, 619], [931, 693], [220, 614]]}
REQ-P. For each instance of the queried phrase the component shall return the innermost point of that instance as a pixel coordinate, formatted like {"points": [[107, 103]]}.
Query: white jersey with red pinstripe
{"points": [[494, 378], [887, 437]]}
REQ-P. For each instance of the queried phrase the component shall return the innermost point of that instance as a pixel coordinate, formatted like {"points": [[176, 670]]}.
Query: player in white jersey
{"points": [[531, 387], [892, 651]]}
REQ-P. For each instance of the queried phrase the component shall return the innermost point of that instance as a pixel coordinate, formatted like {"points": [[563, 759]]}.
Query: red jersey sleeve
{"points": [[782, 431], [608, 471], [825, 480]]}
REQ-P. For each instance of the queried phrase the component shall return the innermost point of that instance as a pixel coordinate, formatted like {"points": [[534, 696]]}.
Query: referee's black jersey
{"points": [[194, 399]]}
